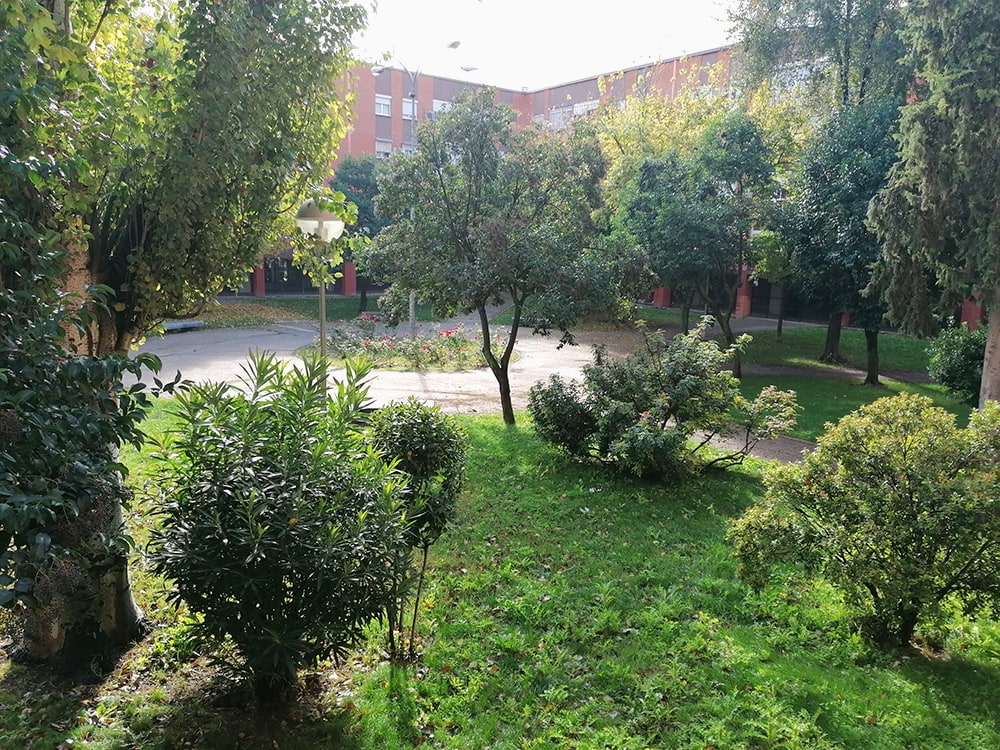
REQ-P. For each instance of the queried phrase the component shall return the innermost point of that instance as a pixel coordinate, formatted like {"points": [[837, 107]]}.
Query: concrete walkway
{"points": [[220, 354]]}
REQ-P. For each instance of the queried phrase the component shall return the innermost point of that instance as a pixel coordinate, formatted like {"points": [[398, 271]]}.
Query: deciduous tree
{"points": [[482, 215]]}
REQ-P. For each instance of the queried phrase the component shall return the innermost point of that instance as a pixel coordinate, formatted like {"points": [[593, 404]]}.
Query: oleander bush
{"points": [[280, 524]]}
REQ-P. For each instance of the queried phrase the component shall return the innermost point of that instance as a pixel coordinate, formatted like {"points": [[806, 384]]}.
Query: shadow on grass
{"points": [[965, 686]]}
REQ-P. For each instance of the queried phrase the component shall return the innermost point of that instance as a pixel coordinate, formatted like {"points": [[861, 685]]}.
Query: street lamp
{"points": [[324, 227]]}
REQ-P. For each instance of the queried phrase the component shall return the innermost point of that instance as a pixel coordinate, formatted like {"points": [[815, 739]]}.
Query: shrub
{"points": [[429, 448], [640, 413], [279, 525], [956, 361], [897, 508]]}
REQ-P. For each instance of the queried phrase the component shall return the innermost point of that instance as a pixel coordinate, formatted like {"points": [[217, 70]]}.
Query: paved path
{"points": [[220, 354]]}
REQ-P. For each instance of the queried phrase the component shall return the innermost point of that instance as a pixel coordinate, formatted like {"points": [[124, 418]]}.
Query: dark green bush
{"points": [[280, 527], [640, 413], [561, 415], [897, 508], [956, 361], [429, 448]]}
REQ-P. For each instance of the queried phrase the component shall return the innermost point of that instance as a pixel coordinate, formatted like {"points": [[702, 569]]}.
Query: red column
{"points": [[972, 314], [257, 282], [845, 319], [744, 295], [349, 280], [662, 297]]}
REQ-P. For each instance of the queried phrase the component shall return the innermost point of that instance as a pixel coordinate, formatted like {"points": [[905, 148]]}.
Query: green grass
{"points": [[235, 312], [825, 400], [801, 347], [569, 608], [566, 608]]}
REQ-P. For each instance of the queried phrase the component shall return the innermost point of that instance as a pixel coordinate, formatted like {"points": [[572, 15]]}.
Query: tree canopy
{"points": [[845, 51], [482, 214], [693, 213], [937, 217]]}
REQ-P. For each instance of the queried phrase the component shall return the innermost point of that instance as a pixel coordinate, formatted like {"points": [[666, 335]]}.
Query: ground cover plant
{"points": [[566, 607], [235, 312]]}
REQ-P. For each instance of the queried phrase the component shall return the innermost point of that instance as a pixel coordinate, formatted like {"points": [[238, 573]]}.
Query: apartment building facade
{"points": [[390, 102]]}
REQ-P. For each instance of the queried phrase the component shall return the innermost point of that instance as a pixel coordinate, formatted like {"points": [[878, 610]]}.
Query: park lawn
{"points": [[236, 312], [827, 399], [801, 347], [567, 607]]}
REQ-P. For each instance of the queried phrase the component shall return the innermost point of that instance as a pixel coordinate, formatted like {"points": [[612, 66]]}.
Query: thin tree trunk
{"points": [[990, 388], [727, 331], [781, 310], [831, 349], [871, 347], [500, 367]]}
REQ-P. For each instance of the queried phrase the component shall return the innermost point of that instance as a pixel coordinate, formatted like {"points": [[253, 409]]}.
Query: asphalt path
{"points": [[221, 355]]}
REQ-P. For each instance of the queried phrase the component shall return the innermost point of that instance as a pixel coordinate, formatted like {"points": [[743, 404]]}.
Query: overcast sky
{"points": [[534, 44]]}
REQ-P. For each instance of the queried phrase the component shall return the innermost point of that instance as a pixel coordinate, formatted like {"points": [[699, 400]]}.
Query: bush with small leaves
{"points": [[280, 526], [653, 412], [429, 448], [897, 507], [956, 361]]}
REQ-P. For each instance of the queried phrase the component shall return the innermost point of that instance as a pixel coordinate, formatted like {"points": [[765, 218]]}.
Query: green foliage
{"points": [[693, 212], [355, 177], [481, 214], [956, 360], [843, 53], [896, 508], [642, 410], [429, 448], [279, 525], [937, 216]]}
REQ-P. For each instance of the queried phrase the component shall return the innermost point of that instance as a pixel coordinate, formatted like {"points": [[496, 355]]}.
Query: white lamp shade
{"points": [[315, 222]]}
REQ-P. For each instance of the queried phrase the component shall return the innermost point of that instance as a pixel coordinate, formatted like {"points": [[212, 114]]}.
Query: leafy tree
{"points": [[845, 51], [482, 215], [653, 412], [844, 166], [937, 216], [279, 526], [771, 260], [896, 508], [693, 213], [355, 177], [144, 159]]}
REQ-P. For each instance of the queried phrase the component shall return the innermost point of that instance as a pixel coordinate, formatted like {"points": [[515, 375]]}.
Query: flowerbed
{"points": [[445, 349]]}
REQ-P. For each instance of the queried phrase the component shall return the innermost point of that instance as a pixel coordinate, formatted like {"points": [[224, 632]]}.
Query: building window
{"points": [[409, 148], [383, 105], [383, 149], [441, 105], [409, 108]]}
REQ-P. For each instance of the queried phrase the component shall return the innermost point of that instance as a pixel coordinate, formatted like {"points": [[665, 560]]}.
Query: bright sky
{"points": [[538, 43]]}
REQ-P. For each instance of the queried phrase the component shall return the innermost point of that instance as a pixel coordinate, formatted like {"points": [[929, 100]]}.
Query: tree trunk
{"points": [[86, 609], [990, 388], [686, 317], [781, 310], [871, 348], [500, 367], [831, 349], [727, 331]]}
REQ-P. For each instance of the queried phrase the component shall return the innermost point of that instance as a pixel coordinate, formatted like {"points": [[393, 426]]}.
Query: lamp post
{"points": [[324, 227]]}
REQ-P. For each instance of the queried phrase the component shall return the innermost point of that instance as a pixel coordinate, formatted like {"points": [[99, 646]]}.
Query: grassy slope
{"points": [[566, 608]]}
